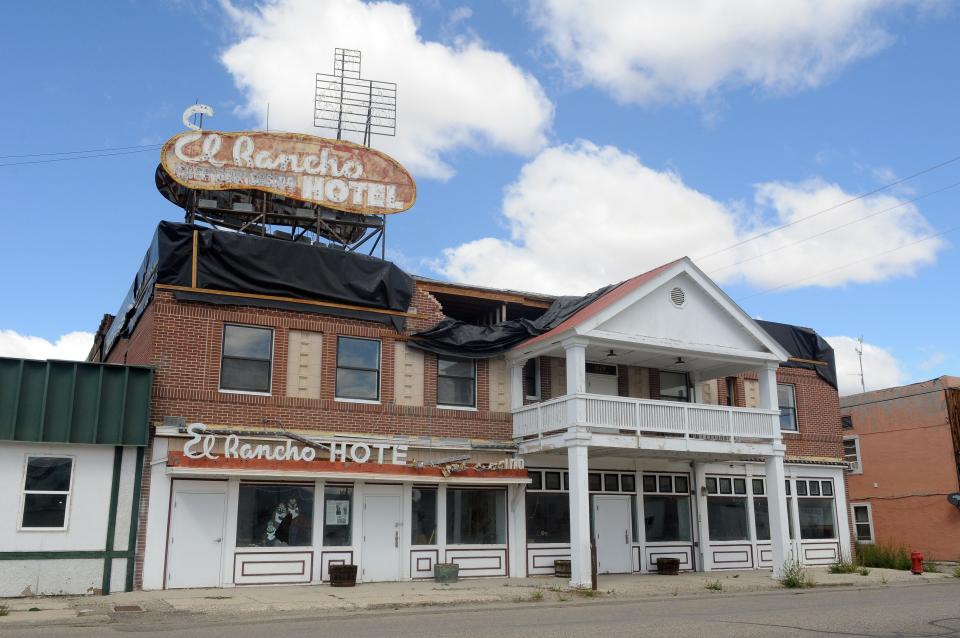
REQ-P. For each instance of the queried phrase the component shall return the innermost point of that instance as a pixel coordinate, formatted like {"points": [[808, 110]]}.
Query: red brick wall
{"points": [[138, 349]]}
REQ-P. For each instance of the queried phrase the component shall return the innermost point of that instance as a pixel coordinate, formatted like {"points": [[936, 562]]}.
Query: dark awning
{"points": [[74, 402]]}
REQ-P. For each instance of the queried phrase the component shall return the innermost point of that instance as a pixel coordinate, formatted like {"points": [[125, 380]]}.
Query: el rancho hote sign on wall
{"points": [[335, 174]]}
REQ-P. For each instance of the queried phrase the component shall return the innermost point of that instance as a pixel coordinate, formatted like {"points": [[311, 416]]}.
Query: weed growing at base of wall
{"points": [[714, 585], [885, 556], [843, 566], [793, 576]]}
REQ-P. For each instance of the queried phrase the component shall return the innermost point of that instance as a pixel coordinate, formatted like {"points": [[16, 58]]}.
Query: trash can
{"points": [[446, 572], [668, 566], [562, 569]]}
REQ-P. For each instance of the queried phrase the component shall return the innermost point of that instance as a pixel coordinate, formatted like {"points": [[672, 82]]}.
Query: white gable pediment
{"points": [[706, 319]]}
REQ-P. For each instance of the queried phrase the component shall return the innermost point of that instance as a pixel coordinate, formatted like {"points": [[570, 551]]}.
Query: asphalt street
{"points": [[924, 610]]}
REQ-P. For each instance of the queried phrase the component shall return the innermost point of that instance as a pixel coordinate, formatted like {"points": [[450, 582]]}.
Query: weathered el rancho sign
{"points": [[332, 173], [203, 445]]}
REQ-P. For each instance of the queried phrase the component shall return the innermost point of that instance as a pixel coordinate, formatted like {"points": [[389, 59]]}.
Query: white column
{"points": [[577, 446], [517, 531], [843, 515], [703, 528], [777, 504], [158, 507], [516, 384], [576, 351], [767, 375], [695, 381]]}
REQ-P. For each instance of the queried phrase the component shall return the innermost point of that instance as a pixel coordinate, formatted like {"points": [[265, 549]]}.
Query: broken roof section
{"points": [[622, 313]]}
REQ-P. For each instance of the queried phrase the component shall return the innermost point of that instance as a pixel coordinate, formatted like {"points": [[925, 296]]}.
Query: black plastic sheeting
{"points": [[804, 343], [455, 338], [236, 262]]}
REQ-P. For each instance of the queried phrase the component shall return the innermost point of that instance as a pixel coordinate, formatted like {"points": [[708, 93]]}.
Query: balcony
{"points": [[621, 422]]}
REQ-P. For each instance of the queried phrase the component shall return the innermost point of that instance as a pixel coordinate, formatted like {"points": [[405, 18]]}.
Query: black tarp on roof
{"points": [[236, 262], [455, 338], [804, 343]]}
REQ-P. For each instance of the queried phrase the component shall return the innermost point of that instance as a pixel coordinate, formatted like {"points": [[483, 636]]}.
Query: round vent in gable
{"points": [[678, 297]]}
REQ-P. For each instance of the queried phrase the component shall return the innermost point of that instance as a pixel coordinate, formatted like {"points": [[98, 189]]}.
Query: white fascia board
{"points": [[669, 346], [687, 266], [522, 351]]}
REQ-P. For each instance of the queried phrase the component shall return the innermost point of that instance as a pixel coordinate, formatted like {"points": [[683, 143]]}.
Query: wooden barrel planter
{"points": [[668, 566], [562, 569], [446, 572], [343, 575]]}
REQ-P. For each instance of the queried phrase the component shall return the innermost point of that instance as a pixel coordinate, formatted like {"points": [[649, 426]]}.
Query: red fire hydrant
{"points": [[916, 560]]}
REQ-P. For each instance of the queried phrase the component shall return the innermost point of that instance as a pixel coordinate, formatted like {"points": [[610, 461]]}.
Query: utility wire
{"points": [[830, 230], [81, 157], [855, 262], [89, 150], [830, 208]]}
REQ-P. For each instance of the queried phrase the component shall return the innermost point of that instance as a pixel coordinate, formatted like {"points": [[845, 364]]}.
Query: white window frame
{"points": [[336, 367], [273, 351], [853, 521], [476, 387], [859, 464], [796, 412], [24, 492], [536, 380]]}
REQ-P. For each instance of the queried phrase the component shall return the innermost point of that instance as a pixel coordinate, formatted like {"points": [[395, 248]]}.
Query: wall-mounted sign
{"points": [[332, 173], [206, 446]]}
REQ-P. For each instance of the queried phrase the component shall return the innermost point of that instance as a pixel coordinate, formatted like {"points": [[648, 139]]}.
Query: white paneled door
{"points": [[613, 532], [382, 528], [195, 545]]}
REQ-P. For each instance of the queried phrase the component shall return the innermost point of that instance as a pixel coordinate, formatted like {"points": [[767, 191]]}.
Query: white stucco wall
{"points": [[87, 521]]}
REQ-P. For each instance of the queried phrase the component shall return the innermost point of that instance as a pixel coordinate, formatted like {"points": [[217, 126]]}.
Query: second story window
{"points": [[674, 386], [456, 382], [787, 398], [358, 369], [246, 360], [851, 454], [531, 379]]}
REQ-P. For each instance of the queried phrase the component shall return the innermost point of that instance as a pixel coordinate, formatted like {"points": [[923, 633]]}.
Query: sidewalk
{"points": [[323, 598]]}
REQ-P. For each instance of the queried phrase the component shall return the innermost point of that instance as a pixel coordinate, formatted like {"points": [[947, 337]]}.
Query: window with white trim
{"points": [[674, 386], [863, 522], [358, 369], [531, 378], [815, 509], [787, 400], [246, 359], [666, 508], [851, 454], [727, 508], [46, 492], [456, 382]]}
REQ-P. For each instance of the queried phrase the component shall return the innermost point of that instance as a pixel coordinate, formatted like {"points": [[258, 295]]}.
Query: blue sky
{"points": [[555, 149]]}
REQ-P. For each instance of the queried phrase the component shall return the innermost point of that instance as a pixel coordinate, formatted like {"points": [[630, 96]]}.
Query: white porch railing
{"points": [[645, 416]]}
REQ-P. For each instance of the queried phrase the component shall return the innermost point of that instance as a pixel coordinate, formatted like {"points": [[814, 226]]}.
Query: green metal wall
{"points": [[74, 402]]}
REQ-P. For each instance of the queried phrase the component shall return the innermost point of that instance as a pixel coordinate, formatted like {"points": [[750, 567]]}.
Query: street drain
{"points": [[127, 608]]}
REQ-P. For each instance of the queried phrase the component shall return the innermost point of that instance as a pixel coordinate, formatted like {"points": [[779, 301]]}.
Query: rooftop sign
{"points": [[332, 173]]}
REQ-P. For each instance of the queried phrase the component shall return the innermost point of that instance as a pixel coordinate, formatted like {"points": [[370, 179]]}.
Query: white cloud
{"points": [[450, 96], [932, 361], [581, 216], [665, 50], [71, 346], [880, 368]]}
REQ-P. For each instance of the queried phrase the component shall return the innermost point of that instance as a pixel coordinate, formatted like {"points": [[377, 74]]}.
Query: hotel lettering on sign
{"points": [[203, 445], [336, 174]]}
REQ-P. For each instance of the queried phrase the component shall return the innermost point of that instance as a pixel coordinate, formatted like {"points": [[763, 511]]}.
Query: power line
{"points": [[853, 263], [830, 230], [82, 157], [89, 150], [830, 208]]}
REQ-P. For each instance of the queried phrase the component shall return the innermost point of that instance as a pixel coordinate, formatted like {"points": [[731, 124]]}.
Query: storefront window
{"points": [[337, 515], [666, 508], [727, 515], [548, 517], [816, 518], [275, 515], [424, 516], [476, 517]]}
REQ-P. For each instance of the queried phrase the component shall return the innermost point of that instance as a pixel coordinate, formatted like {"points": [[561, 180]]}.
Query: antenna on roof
{"points": [[346, 102], [859, 351]]}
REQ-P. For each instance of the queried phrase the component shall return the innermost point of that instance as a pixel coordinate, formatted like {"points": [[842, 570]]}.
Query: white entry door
{"points": [[195, 546], [382, 527], [613, 532]]}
